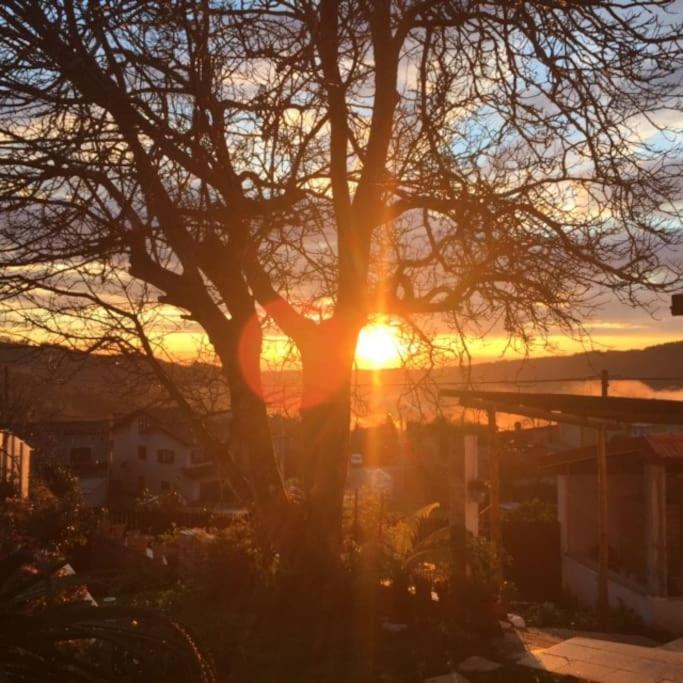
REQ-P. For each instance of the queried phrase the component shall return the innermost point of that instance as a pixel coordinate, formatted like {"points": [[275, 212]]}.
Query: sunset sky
{"points": [[614, 326]]}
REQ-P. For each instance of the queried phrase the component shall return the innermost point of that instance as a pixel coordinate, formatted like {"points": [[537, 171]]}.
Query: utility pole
{"points": [[604, 382]]}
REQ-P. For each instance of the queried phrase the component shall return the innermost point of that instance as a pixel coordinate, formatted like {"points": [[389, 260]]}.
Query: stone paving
{"points": [[608, 662], [448, 678], [674, 645]]}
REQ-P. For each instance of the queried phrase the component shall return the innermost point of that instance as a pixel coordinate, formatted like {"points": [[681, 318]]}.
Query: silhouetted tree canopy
{"points": [[487, 163]]}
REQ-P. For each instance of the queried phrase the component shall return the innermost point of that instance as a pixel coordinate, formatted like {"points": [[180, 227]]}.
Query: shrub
{"points": [[534, 510], [52, 518]]}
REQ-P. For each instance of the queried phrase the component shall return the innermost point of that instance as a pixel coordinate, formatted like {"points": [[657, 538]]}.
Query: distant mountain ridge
{"points": [[62, 383], [662, 361]]}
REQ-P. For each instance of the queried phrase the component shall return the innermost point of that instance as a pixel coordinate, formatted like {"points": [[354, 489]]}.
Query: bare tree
{"points": [[478, 162]]}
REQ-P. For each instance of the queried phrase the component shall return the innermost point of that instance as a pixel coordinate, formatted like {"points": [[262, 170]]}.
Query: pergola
{"points": [[601, 413]]}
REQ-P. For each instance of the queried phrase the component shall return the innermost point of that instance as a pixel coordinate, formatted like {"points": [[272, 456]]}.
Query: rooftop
{"points": [[648, 448], [617, 410]]}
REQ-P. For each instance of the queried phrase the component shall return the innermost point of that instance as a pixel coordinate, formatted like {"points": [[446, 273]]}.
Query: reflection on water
{"points": [[409, 396]]}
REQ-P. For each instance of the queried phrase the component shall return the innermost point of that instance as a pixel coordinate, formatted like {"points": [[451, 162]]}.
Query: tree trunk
{"points": [[240, 354], [327, 361]]}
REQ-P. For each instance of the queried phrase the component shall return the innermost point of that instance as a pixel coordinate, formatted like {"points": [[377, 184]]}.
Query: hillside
{"points": [[60, 383], [662, 361]]}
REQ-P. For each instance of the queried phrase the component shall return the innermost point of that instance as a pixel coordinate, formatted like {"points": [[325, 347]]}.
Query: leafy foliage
{"points": [[534, 510], [42, 638], [53, 517]]}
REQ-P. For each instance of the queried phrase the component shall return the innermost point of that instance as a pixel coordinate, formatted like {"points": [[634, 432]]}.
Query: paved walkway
{"points": [[608, 662], [674, 645]]}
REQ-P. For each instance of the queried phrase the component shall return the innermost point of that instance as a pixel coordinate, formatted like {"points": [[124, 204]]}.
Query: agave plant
{"points": [[45, 637]]}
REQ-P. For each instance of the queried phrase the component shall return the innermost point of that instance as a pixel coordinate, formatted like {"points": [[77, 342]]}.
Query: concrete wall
{"points": [[582, 580], [578, 508]]}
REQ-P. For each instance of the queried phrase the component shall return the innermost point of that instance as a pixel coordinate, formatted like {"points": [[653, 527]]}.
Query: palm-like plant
{"points": [[406, 545], [45, 638]]}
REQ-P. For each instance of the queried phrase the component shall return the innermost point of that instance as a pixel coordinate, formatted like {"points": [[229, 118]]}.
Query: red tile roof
{"points": [[662, 447], [665, 446]]}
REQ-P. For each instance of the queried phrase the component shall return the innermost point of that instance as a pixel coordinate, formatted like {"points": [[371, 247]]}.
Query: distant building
{"points": [[645, 523], [156, 451], [82, 445], [378, 445], [147, 450]]}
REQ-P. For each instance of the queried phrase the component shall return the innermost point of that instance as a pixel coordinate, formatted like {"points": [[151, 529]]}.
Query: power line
{"points": [[520, 382]]}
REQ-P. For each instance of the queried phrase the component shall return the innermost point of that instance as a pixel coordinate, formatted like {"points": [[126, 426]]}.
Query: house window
{"points": [[164, 486], [80, 456], [141, 484], [142, 452], [196, 456], [166, 456]]}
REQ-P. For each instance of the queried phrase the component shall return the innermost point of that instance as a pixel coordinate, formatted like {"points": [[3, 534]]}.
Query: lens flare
{"points": [[378, 347]]}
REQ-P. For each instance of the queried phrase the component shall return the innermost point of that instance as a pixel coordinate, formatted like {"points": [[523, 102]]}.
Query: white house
{"points": [[155, 451], [147, 450], [82, 445]]}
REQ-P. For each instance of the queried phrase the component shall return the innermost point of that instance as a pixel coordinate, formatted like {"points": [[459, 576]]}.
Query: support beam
{"points": [[4, 436], [457, 493], [471, 474], [655, 529], [494, 493], [603, 538], [550, 416], [463, 508], [610, 409], [563, 512]]}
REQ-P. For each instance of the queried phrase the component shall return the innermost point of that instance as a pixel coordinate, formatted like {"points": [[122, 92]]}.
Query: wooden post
{"points": [[655, 529], [403, 446], [494, 493], [603, 539], [457, 494], [355, 516], [471, 473], [4, 456], [603, 531]]}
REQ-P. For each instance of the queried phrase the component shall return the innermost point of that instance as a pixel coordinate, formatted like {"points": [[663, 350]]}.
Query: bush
{"points": [[52, 518], [549, 615], [534, 510], [574, 616]]}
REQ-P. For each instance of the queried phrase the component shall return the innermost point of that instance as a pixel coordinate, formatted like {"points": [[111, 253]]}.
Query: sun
{"points": [[378, 347]]}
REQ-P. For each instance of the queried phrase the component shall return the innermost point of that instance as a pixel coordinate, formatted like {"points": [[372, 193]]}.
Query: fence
{"points": [[15, 462], [160, 521]]}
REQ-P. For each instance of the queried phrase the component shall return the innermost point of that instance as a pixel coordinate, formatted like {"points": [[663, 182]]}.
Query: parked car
{"points": [[356, 460]]}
